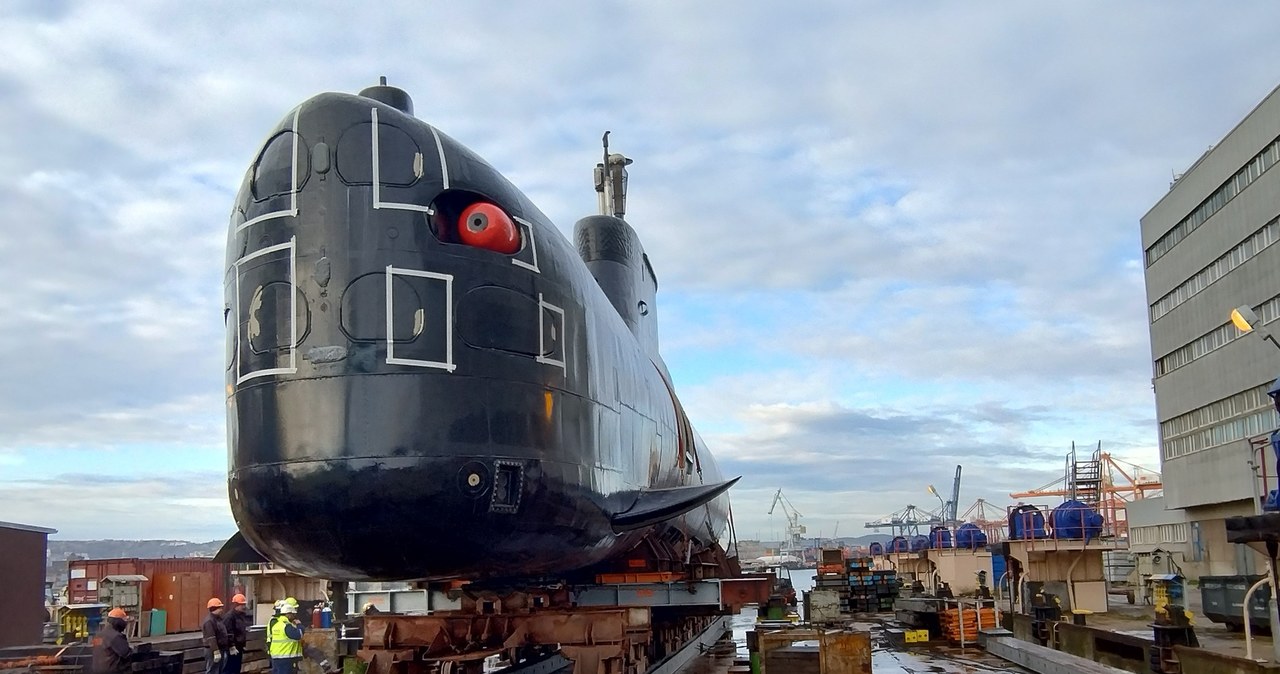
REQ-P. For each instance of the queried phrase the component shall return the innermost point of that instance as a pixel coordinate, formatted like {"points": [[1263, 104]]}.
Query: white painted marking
{"points": [[444, 166], [292, 246], [377, 179], [533, 246], [447, 364], [542, 343], [378, 203], [293, 192]]}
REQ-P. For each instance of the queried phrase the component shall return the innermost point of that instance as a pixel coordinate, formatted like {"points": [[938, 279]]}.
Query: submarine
{"points": [[426, 380]]}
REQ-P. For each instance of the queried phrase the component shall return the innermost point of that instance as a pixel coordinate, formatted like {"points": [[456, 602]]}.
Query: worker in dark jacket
{"points": [[111, 650], [216, 640], [237, 622]]}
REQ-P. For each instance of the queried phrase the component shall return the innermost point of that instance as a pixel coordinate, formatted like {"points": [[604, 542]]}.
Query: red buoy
{"points": [[484, 225]]}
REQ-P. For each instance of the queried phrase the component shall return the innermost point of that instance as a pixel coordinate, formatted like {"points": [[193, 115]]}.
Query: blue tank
{"points": [[970, 536], [1076, 520], [998, 567], [876, 549], [919, 543], [940, 538], [899, 544], [1026, 522]]}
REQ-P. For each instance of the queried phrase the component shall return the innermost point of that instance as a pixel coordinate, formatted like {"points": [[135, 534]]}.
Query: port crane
{"points": [[795, 530], [950, 508], [906, 522], [990, 519]]}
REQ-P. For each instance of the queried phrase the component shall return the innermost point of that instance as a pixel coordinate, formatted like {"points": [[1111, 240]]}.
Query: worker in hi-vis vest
{"points": [[272, 623], [285, 640]]}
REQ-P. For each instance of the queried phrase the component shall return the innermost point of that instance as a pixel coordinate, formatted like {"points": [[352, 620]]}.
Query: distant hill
{"points": [[107, 549], [63, 551]]}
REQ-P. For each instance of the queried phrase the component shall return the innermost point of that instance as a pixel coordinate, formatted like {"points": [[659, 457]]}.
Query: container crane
{"points": [[990, 519], [906, 522], [795, 530]]}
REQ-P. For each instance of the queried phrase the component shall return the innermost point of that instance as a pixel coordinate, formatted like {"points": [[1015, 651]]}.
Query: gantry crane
{"points": [[906, 522], [795, 530], [988, 518]]}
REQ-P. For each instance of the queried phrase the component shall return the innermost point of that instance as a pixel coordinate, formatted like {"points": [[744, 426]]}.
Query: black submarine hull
{"points": [[402, 405]]}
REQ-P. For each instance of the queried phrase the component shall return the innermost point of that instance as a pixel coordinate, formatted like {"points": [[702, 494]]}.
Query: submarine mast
{"points": [[611, 182]]}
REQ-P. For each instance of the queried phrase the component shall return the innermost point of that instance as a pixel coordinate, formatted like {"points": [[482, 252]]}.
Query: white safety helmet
{"points": [[288, 608]]}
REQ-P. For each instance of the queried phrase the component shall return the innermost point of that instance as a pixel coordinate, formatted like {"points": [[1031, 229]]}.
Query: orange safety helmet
{"points": [[118, 612], [239, 599], [215, 603]]}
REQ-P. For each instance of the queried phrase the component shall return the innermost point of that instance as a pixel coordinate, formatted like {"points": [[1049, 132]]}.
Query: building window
{"points": [[1173, 533], [1215, 201], [1144, 535], [1212, 341], [1254, 244], [1240, 416]]}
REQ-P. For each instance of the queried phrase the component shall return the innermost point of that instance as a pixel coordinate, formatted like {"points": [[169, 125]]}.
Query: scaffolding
{"points": [[1104, 483]]}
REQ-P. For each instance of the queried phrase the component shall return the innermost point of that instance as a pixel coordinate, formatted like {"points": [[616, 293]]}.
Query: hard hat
{"points": [[278, 605], [291, 601], [239, 599], [215, 603], [368, 605], [288, 608], [118, 612]]}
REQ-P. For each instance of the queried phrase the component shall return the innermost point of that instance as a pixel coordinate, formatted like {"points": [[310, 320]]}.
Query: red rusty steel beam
{"points": [[33, 661], [749, 589]]}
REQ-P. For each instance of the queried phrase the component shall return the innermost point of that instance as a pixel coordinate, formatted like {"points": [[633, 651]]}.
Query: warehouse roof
{"points": [[27, 527]]}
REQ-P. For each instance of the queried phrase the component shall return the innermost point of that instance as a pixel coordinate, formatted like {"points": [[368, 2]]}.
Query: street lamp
{"points": [[944, 503], [1244, 318]]}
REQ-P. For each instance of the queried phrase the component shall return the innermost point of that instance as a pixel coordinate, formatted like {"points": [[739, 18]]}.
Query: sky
{"points": [[890, 237]]}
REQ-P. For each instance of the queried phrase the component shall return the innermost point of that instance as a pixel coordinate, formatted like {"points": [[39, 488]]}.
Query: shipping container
{"points": [[85, 574], [179, 586]]}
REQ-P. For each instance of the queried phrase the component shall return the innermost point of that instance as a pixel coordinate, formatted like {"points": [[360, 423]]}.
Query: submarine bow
{"points": [[425, 379]]}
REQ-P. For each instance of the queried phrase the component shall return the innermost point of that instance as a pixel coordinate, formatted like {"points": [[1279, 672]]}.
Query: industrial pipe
{"points": [[1248, 637], [1071, 584]]}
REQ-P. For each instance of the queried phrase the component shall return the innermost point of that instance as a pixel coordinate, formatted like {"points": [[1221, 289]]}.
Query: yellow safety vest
{"points": [[280, 645]]}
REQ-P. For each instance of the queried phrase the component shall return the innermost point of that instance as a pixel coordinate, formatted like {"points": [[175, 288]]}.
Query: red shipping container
{"points": [[179, 586], [182, 588], [86, 574]]}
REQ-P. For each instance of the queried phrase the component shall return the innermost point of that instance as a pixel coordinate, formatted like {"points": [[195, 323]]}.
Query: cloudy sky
{"points": [[891, 237]]}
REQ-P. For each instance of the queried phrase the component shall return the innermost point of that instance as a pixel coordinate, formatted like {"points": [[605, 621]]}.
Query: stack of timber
{"points": [[966, 622], [171, 654], [191, 645]]}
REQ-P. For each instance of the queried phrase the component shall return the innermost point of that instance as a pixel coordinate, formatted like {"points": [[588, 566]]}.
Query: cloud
{"points": [[888, 237], [180, 505]]}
